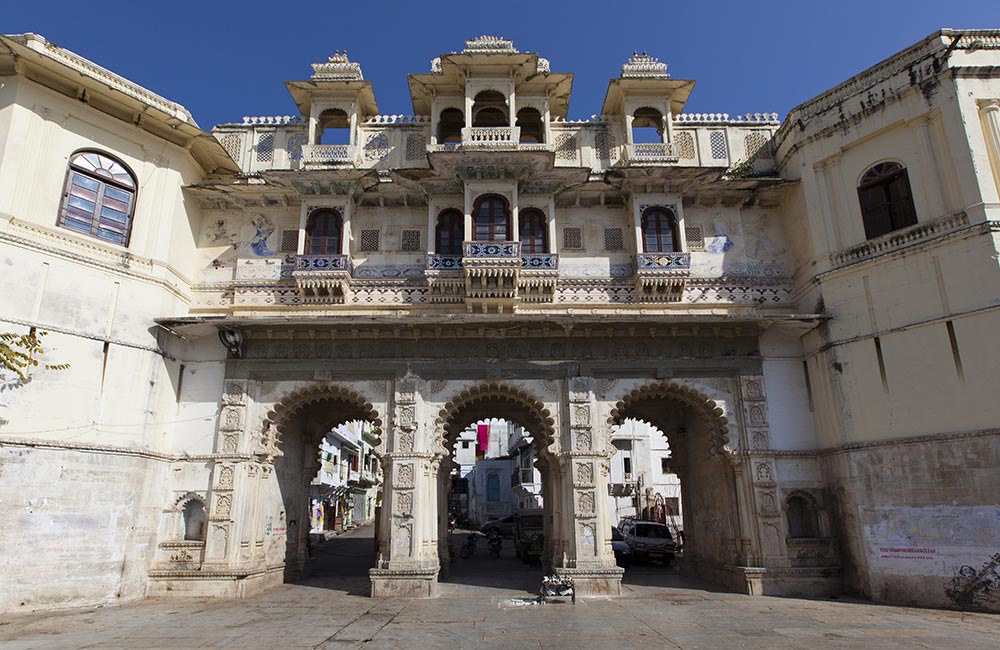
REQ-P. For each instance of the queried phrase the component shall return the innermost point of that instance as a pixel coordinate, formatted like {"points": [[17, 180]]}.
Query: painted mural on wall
{"points": [[973, 588], [241, 238], [739, 244]]}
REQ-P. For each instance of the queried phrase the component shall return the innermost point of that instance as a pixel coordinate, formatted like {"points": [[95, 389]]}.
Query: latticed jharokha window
{"points": [[323, 232], [99, 198], [886, 201], [449, 233], [490, 218], [533, 232], [659, 231]]}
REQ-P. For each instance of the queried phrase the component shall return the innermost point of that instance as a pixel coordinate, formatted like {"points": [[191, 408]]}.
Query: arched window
{"points": [[99, 197], [450, 124], [323, 232], [489, 109], [194, 520], [490, 218], [647, 125], [529, 120], [886, 201], [335, 127], [802, 519], [659, 231], [449, 233], [533, 233]]}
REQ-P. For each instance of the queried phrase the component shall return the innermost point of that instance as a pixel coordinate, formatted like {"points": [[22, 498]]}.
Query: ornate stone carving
{"points": [[231, 419], [759, 440], [401, 542], [226, 475], [230, 443], [605, 386], [753, 388], [585, 502], [583, 441], [768, 506], [437, 386], [585, 473], [407, 417], [407, 391], [581, 416], [405, 503], [755, 415], [764, 473], [404, 475], [233, 393], [579, 389], [405, 442], [223, 505]]}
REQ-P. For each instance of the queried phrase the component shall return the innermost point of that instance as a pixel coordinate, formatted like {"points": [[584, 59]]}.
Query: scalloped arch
{"points": [[704, 406], [450, 420], [358, 407], [187, 497]]}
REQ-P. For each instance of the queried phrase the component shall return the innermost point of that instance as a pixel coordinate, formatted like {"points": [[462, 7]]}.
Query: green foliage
{"points": [[19, 353], [742, 169]]}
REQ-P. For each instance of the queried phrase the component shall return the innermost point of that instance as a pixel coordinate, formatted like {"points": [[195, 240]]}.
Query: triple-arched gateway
{"points": [[704, 389]]}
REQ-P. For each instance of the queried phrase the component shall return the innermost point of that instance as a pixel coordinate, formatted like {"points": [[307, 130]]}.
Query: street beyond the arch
{"points": [[487, 602]]}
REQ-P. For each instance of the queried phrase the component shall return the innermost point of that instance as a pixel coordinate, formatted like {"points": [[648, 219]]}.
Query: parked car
{"points": [[647, 540], [503, 526], [623, 554]]}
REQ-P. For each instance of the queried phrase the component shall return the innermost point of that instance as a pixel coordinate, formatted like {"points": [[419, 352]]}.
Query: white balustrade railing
{"points": [[651, 152], [491, 135], [327, 153]]}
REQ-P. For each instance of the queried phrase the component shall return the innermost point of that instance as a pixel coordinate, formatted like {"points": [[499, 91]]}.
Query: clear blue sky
{"points": [[224, 60]]}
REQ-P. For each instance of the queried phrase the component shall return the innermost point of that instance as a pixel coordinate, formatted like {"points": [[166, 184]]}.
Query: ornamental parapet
{"points": [[661, 277], [327, 155], [650, 153], [323, 279]]}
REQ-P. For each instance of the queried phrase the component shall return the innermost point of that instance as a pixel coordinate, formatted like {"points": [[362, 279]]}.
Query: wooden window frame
{"points": [[449, 232], [104, 183], [886, 199], [321, 244], [491, 218], [659, 230], [534, 234]]}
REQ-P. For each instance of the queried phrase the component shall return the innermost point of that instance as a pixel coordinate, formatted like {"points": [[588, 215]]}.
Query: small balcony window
{"points": [[491, 218], [449, 233], [659, 231], [534, 236], [886, 200], [323, 232]]}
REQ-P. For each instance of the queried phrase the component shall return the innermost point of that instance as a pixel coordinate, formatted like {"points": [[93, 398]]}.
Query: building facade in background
{"points": [[805, 309]]}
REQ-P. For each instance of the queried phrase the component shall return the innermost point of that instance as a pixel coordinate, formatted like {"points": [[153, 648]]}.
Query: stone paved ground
{"points": [[486, 604]]}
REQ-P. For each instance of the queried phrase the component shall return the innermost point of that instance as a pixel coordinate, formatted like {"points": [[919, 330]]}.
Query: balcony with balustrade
{"points": [[327, 155], [323, 279], [661, 277], [650, 153]]}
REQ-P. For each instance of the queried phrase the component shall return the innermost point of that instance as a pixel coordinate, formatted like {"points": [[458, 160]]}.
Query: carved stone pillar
{"points": [[587, 557], [408, 562]]}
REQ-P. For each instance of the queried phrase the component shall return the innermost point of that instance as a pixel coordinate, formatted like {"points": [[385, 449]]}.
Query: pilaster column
{"points": [[345, 235], [408, 562], [587, 557], [989, 116], [826, 211], [628, 129], [930, 174], [551, 225]]}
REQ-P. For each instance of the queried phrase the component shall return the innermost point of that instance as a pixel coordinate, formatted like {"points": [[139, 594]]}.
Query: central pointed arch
{"points": [[478, 402], [644, 404]]}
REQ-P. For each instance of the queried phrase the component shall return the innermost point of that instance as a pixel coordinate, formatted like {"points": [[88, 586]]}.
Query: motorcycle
{"points": [[452, 521], [469, 548], [495, 542]]}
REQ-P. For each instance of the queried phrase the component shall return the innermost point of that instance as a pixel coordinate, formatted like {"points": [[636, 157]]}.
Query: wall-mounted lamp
{"points": [[233, 341]]}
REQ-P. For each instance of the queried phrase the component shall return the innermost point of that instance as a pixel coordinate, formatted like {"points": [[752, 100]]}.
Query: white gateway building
{"points": [[806, 309]]}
